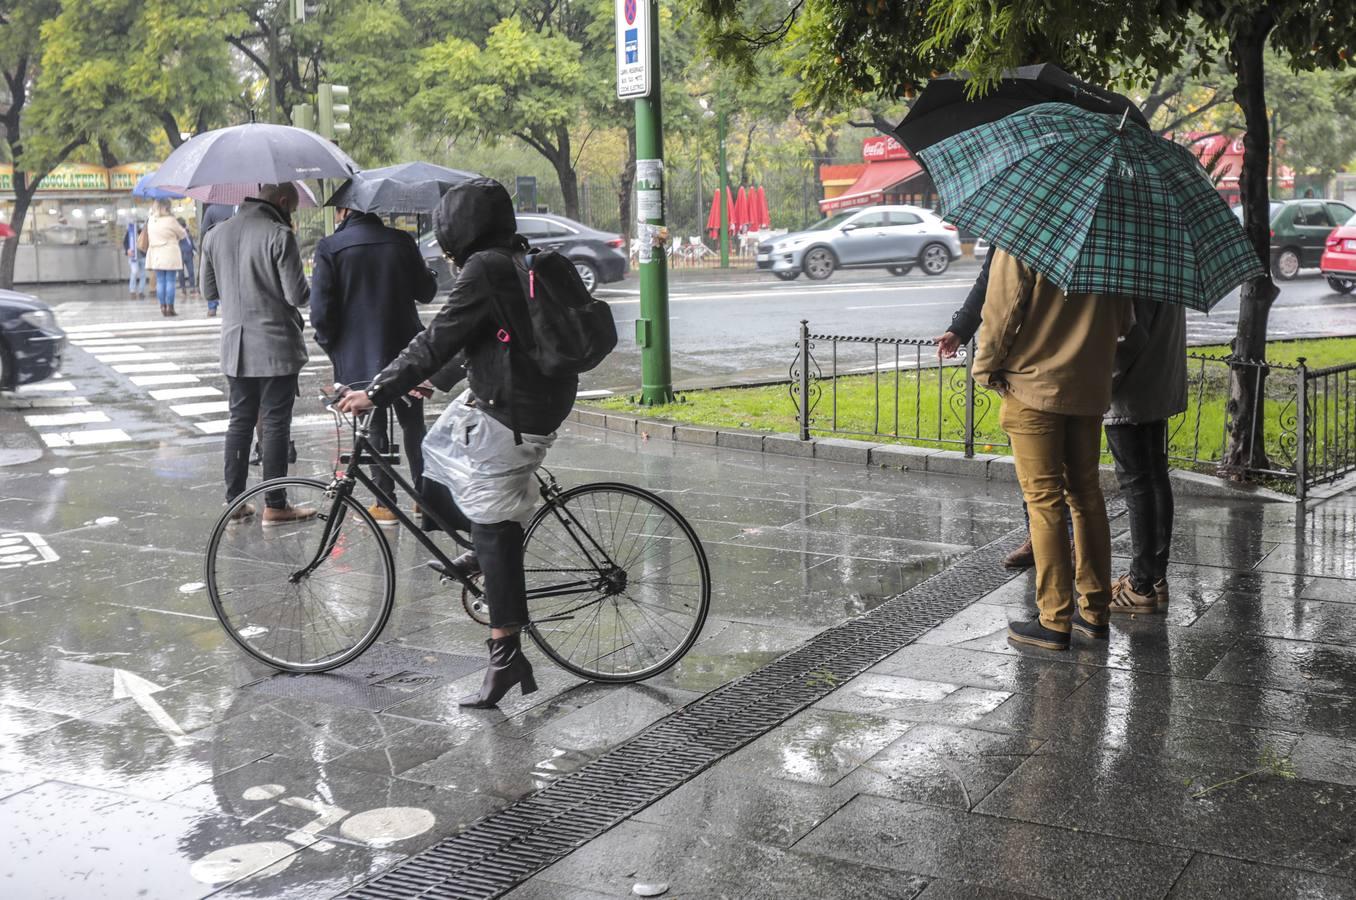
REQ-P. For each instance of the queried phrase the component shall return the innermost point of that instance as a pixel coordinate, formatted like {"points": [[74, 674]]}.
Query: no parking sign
{"points": [[633, 48]]}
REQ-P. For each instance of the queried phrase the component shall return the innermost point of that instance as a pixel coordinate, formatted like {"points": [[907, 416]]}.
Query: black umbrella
{"points": [[945, 109], [415, 187], [257, 152]]}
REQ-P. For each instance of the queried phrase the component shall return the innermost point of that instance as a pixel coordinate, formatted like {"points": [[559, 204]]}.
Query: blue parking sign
{"points": [[632, 46]]}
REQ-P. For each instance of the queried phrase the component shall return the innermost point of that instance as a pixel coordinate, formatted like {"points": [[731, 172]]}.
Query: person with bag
{"points": [[163, 234], [527, 327], [135, 243]]}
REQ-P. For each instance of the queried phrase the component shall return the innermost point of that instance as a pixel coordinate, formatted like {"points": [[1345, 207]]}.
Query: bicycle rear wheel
{"points": [[306, 596], [618, 585]]}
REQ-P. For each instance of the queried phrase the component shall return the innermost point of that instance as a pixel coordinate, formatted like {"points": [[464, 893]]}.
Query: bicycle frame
{"points": [[364, 452]]}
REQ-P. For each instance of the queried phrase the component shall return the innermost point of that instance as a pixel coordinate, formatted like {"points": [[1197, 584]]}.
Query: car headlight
{"points": [[41, 319]]}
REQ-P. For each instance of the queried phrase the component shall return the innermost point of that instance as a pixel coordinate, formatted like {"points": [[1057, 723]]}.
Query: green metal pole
{"points": [[652, 328], [724, 195]]}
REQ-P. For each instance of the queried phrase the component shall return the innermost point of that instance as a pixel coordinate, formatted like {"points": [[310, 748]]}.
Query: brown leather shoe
{"points": [[1125, 599], [287, 514], [243, 511], [1021, 558]]}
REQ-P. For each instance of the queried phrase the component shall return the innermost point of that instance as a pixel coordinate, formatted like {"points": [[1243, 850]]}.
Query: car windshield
{"points": [[832, 221]]}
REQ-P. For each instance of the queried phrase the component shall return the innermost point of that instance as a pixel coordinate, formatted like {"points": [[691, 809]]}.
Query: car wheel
{"points": [[819, 264], [1341, 285], [787, 276], [899, 270], [1287, 264], [935, 259], [588, 274]]}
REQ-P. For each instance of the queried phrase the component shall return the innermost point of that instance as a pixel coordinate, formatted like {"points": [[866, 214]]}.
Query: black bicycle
{"points": [[618, 584]]}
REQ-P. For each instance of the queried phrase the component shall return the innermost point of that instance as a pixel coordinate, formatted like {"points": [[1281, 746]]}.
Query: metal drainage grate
{"points": [[497, 853]]}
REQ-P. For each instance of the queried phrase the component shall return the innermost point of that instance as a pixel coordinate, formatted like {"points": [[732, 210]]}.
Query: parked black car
{"points": [[31, 344], [599, 256], [1299, 232]]}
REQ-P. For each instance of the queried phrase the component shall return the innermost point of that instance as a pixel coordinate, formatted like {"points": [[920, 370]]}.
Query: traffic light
{"points": [[303, 116], [304, 9], [333, 109]]}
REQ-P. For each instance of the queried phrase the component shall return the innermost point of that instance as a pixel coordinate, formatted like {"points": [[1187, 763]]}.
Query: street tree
{"points": [[887, 47], [35, 139]]}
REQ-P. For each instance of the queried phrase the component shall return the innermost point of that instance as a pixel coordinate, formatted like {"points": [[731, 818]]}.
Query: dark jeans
{"points": [[412, 430], [1141, 454], [267, 401]]}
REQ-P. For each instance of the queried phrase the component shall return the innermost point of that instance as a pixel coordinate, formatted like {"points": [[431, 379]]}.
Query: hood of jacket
{"points": [[474, 215]]}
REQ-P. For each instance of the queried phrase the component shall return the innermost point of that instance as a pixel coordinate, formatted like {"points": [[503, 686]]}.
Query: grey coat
{"points": [[1149, 382], [251, 264]]}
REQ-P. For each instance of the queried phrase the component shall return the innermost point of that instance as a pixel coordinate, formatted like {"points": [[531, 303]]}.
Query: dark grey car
{"points": [[598, 256]]}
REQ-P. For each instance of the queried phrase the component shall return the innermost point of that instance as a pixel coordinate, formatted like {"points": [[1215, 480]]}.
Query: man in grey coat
{"points": [[1149, 386], [251, 265]]}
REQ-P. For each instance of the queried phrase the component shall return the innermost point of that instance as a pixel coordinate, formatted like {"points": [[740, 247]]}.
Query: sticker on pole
{"points": [[633, 48]]}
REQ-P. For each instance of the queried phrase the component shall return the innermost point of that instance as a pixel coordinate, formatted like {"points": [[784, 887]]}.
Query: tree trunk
{"points": [[1247, 409], [744, 162], [23, 199], [569, 179], [627, 182]]}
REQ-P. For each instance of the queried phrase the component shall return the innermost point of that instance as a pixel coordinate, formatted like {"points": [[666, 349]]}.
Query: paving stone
{"points": [[900, 456], [621, 423], [941, 889], [655, 431], [909, 700], [1214, 876], [788, 445], [591, 417], [690, 434], [406, 749], [818, 746], [1262, 817], [742, 802], [1301, 620], [843, 450], [712, 866], [955, 462], [1016, 672], [1331, 589], [941, 765], [997, 853], [1290, 665], [1322, 758]]}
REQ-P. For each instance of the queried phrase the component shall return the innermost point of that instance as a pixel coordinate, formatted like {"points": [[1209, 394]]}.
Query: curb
{"points": [[988, 466]]}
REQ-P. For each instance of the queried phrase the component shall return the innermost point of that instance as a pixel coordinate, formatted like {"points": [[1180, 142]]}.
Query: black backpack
{"points": [[568, 331]]}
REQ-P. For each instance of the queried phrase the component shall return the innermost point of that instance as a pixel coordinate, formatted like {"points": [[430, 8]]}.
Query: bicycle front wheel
{"points": [[618, 585], [304, 596]]}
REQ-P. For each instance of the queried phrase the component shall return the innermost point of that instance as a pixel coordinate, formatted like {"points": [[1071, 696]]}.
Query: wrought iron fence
{"points": [[898, 389]]}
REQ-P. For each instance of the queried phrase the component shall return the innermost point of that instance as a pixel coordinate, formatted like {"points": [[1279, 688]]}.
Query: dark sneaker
{"points": [[1125, 599], [1034, 634], [1161, 592], [1021, 558], [1087, 629], [465, 567]]}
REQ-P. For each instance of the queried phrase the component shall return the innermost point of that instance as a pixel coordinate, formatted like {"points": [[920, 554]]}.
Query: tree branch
{"points": [[239, 44]]}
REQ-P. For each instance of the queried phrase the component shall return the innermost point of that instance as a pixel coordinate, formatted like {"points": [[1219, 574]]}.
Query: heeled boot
{"points": [[508, 667]]}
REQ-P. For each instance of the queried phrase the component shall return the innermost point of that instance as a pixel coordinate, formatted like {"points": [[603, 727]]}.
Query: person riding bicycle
{"points": [[497, 432]]}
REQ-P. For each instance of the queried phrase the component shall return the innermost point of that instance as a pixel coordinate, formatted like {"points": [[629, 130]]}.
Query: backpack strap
{"points": [[504, 337]]}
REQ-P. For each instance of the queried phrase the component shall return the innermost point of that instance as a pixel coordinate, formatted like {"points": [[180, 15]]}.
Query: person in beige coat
{"points": [[1050, 357], [163, 257]]}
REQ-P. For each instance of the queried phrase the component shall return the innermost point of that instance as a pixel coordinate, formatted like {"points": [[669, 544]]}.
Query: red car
{"points": [[1339, 259]]}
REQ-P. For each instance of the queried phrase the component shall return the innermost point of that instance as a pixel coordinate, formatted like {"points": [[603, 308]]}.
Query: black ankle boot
{"points": [[508, 666]]}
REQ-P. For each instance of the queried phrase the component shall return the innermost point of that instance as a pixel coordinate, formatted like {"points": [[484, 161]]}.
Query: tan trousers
{"points": [[1056, 457]]}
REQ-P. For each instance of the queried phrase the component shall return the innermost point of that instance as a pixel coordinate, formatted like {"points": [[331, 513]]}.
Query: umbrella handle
{"points": [[1124, 115]]}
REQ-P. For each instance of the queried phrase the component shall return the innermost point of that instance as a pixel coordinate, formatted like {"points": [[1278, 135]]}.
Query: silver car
{"points": [[896, 238]]}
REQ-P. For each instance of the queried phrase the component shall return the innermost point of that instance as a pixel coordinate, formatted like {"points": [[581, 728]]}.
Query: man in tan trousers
{"points": [[1051, 359]]}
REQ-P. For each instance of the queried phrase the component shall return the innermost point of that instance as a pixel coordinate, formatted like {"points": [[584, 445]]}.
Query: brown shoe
{"points": [[243, 511], [1021, 558], [287, 514], [1161, 592], [383, 516], [1125, 599]]}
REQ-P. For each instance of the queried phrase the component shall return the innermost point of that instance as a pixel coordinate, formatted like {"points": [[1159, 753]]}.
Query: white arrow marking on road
{"points": [[129, 684]]}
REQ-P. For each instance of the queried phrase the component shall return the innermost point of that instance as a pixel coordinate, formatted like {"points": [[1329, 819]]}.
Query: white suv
{"points": [[896, 238]]}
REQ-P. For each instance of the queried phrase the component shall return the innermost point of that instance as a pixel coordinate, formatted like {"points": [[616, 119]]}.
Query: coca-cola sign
{"points": [[881, 147]]}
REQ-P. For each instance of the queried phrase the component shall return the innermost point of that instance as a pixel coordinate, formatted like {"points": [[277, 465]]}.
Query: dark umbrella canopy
{"points": [[262, 153], [944, 109], [415, 187]]}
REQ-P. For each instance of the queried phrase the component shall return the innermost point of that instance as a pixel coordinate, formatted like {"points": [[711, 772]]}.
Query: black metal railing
{"points": [[898, 389]]}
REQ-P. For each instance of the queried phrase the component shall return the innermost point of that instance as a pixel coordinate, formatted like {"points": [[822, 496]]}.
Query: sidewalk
{"points": [[140, 755]]}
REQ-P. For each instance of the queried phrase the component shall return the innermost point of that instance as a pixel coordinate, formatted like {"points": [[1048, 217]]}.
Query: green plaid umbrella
{"points": [[1096, 204]]}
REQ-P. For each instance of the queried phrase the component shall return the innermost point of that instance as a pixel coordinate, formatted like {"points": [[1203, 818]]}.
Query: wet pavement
{"points": [[1204, 753]]}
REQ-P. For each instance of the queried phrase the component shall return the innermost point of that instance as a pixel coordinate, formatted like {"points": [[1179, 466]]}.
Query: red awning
{"points": [[872, 185]]}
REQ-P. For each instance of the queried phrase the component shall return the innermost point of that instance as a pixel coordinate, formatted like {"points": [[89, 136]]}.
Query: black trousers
{"points": [[412, 430], [498, 547], [1141, 454], [267, 401]]}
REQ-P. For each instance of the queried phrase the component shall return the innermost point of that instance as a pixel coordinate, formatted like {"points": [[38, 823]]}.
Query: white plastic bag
{"points": [[490, 476]]}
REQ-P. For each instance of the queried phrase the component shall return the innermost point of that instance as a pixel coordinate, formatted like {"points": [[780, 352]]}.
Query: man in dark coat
{"points": [[365, 282]]}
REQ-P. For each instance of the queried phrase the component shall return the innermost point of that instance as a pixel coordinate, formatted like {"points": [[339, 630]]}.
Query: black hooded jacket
{"points": [[476, 226]]}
